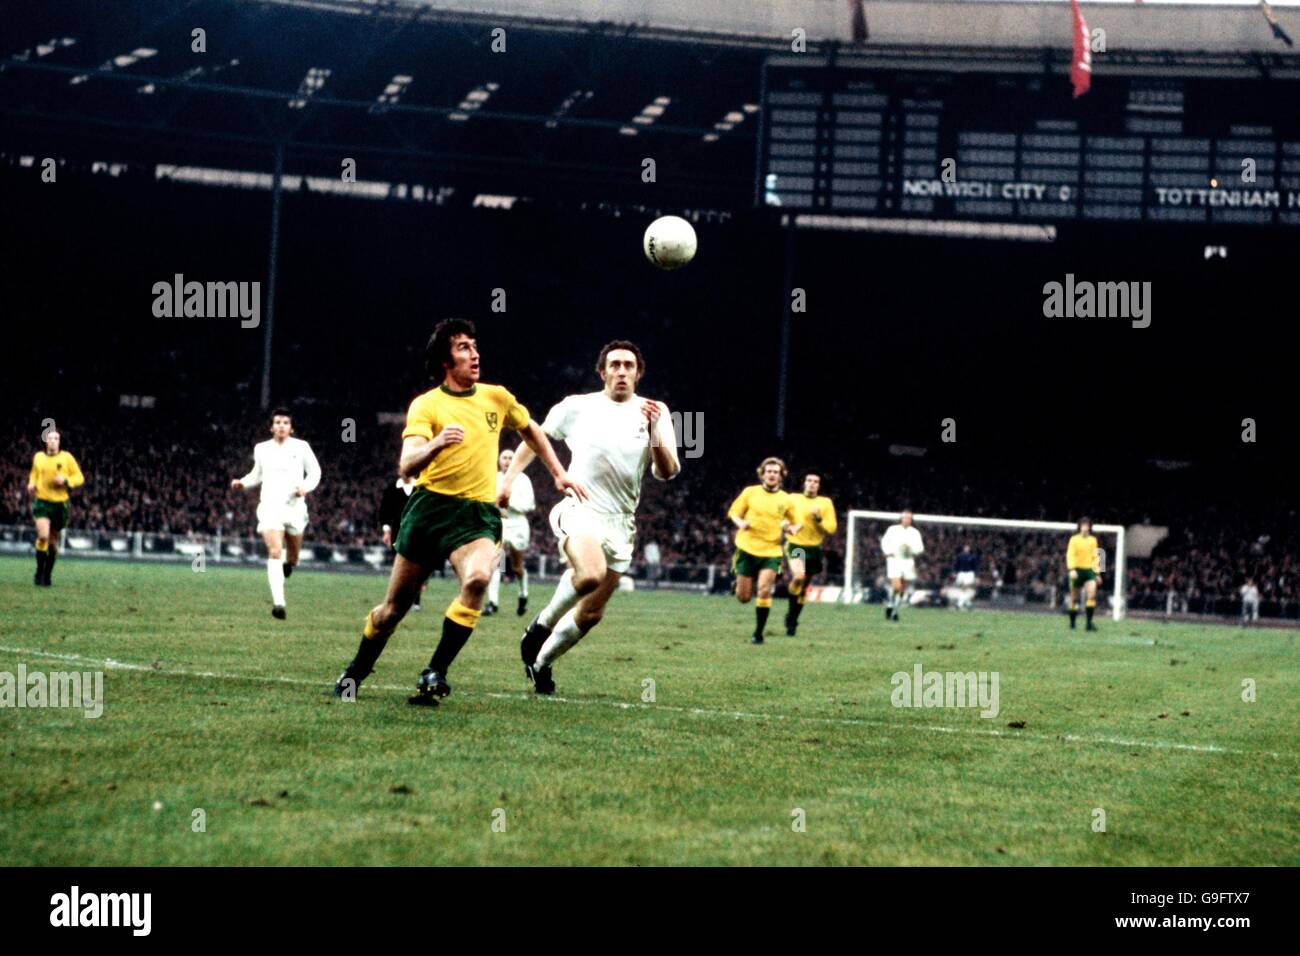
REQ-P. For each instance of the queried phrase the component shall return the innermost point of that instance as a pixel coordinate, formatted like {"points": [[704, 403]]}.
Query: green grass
{"points": [[228, 714]]}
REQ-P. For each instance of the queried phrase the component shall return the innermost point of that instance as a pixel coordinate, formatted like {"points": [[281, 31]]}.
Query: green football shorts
{"points": [[811, 554], [56, 511], [434, 525], [746, 565]]}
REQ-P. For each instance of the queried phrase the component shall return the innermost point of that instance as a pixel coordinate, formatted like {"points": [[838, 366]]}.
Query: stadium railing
{"points": [[236, 550], [199, 550]]}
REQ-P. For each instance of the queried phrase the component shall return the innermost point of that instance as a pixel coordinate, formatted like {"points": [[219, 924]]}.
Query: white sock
{"points": [[562, 601], [494, 586], [275, 575], [566, 634], [523, 583]]}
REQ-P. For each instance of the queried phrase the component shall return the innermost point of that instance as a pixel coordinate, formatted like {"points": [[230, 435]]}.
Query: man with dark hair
{"points": [[614, 435], [814, 520], [450, 445], [54, 473], [287, 470]]}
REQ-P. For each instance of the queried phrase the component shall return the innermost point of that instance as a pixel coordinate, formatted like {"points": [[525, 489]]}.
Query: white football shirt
{"points": [[522, 498], [281, 467], [610, 442], [897, 537]]}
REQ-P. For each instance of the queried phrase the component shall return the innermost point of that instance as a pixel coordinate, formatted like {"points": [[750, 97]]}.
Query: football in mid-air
{"points": [[669, 242]]}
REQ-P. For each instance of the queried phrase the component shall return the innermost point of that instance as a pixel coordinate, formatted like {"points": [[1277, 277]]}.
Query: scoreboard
{"points": [[1017, 146]]}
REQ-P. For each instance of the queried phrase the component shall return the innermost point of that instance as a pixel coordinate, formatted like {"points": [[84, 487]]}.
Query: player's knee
{"points": [[387, 615], [476, 581], [585, 582]]}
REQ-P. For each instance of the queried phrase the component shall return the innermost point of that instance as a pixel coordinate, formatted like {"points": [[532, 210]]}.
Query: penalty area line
{"points": [[109, 663]]}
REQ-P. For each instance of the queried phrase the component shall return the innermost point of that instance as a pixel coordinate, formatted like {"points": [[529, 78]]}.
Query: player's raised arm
{"points": [[521, 498], [253, 478], [74, 476], [663, 441], [418, 451], [825, 518], [535, 439]]}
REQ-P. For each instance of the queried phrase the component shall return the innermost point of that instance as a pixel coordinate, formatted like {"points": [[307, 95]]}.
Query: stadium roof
{"points": [[584, 92]]}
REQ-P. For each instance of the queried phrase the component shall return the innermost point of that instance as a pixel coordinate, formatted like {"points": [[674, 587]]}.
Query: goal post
{"points": [[852, 549]]}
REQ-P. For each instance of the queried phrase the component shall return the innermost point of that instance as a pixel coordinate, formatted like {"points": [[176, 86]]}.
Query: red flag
{"points": [[858, 14], [1081, 65]]}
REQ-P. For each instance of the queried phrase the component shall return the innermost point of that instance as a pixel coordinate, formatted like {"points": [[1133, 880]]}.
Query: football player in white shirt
{"points": [[287, 470], [515, 535], [901, 545], [613, 435]]}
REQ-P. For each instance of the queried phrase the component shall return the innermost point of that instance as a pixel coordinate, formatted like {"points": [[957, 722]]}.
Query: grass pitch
{"points": [[213, 706]]}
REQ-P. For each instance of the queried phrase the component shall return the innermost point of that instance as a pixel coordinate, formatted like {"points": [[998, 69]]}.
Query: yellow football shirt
{"points": [[1082, 553], [468, 469], [812, 532], [45, 467], [764, 510]]}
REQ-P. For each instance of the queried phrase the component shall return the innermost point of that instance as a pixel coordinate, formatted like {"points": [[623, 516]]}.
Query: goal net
{"points": [[1017, 563]]}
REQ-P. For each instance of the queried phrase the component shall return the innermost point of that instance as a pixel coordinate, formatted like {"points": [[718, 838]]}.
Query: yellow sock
{"points": [[796, 588], [1092, 602], [371, 631], [463, 615], [803, 595], [764, 602], [42, 544]]}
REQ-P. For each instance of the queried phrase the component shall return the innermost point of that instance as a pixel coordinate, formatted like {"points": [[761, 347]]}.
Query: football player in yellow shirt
{"points": [[814, 520], [761, 513], [450, 446], [54, 472], [1083, 566]]}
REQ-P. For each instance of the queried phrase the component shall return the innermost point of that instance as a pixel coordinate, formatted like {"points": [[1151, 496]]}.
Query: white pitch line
{"points": [[111, 664]]}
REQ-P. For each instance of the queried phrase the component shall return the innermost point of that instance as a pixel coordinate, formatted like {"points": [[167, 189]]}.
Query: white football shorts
{"points": [[516, 532], [291, 518], [904, 568], [616, 532], [965, 579]]}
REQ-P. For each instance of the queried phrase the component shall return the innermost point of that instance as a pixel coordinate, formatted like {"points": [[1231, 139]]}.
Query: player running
{"points": [[814, 520], [901, 546], [613, 435], [516, 534], [54, 473], [761, 513], [288, 472], [450, 441], [1083, 566]]}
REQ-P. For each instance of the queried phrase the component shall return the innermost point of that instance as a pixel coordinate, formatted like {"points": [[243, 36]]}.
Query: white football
{"points": [[669, 242]]}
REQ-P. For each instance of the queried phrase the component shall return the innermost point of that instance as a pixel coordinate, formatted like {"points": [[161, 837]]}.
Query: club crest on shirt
{"points": [[491, 420]]}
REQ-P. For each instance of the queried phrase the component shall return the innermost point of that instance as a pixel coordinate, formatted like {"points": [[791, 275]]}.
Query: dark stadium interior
{"points": [[1054, 417]]}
